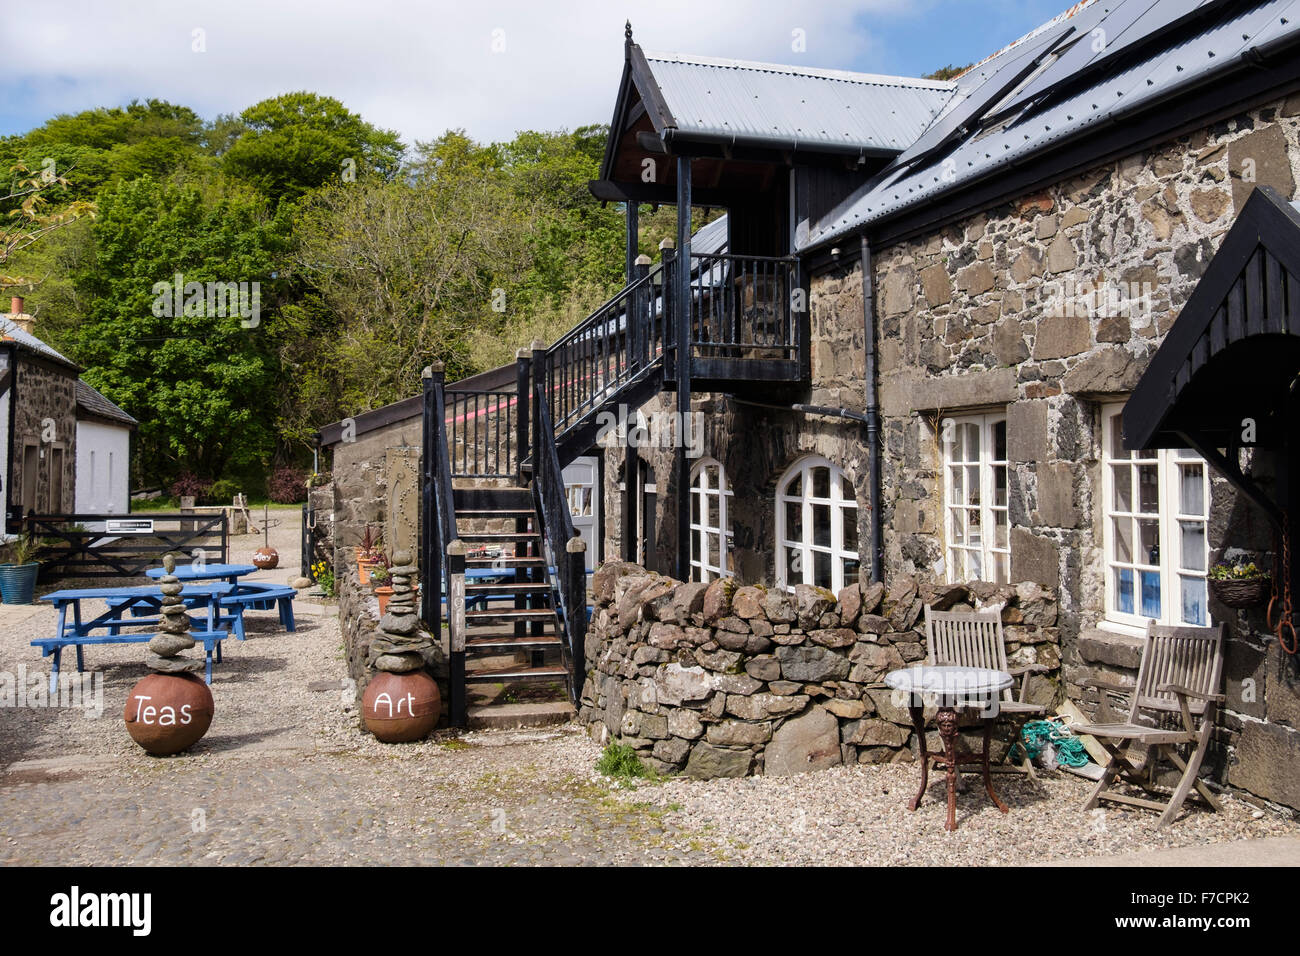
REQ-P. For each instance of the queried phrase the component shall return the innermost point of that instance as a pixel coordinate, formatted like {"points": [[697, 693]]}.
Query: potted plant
{"points": [[381, 578], [1239, 585], [369, 553], [18, 579]]}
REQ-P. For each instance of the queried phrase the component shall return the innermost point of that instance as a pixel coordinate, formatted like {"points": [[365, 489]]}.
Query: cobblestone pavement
{"points": [[285, 776]]}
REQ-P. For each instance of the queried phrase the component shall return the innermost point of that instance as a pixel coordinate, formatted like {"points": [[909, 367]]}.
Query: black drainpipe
{"points": [[876, 537]]}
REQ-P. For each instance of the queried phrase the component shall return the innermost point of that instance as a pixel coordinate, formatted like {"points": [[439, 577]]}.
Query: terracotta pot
{"points": [[266, 558], [166, 713], [398, 708], [383, 592]]}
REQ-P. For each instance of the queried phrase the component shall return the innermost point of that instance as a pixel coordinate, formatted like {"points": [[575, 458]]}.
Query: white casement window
{"points": [[1157, 551], [816, 526], [975, 518], [710, 527]]}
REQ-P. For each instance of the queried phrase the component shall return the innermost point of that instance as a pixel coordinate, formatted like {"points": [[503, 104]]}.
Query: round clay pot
{"points": [[398, 708], [165, 713], [383, 592], [266, 558]]}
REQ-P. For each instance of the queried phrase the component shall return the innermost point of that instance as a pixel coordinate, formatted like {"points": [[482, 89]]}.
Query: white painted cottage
{"points": [[103, 454]]}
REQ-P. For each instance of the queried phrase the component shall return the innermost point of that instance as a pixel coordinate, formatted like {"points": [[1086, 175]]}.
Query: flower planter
{"points": [[18, 582], [1241, 592], [383, 593]]}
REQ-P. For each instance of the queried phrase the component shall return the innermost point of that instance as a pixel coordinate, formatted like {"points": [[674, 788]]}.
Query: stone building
{"points": [[1026, 251]]}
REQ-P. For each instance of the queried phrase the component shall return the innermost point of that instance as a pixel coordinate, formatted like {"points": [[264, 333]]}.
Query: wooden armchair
{"points": [[975, 639], [1172, 704]]}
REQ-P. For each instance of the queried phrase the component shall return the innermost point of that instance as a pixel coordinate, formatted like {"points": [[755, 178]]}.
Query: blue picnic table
{"points": [[144, 605], [246, 595]]}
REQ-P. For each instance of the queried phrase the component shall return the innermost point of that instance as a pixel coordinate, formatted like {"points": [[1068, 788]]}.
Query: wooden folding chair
{"points": [[975, 639], [1173, 704]]}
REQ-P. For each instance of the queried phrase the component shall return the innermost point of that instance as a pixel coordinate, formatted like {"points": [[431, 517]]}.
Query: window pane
{"points": [[972, 442], [1149, 488], [1116, 437], [958, 526], [1150, 593], [1123, 528], [954, 480], [956, 448], [849, 518], [1123, 481], [795, 488], [695, 508], [711, 505], [1149, 542], [975, 561], [1000, 441], [1000, 529], [793, 521], [821, 569], [1193, 535], [1000, 486], [1124, 589], [794, 564], [972, 485], [850, 569], [1193, 600], [846, 489], [821, 521], [973, 527], [821, 482], [1002, 563], [1191, 486]]}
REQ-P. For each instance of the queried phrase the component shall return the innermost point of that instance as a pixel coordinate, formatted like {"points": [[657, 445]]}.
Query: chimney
{"points": [[19, 318]]}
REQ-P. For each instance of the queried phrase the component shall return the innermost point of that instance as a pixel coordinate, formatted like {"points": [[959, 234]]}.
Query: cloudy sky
{"points": [[491, 67]]}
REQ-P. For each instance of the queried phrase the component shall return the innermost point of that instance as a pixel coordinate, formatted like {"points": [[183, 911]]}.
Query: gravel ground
{"points": [[285, 776]]}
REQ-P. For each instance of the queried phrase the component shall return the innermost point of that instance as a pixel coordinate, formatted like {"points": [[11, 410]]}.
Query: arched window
{"points": [[710, 529], [816, 526]]}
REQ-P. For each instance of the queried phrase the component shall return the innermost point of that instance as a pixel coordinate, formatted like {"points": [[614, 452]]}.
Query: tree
{"points": [[32, 219], [297, 142]]}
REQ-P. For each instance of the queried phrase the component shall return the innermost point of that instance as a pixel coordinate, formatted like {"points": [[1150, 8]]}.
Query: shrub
{"points": [[287, 486], [223, 491], [189, 485]]}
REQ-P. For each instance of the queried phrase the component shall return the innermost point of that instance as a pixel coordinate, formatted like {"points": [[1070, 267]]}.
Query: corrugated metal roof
{"points": [[9, 329], [95, 402], [1186, 63], [790, 106]]}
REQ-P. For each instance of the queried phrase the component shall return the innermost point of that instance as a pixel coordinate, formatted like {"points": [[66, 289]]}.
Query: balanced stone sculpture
{"points": [[172, 708], [401, 702]]}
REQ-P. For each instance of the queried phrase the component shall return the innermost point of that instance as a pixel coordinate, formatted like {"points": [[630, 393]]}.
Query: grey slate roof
{"points": [[741, 101], [93, 402], [1074, 90], [30, 343]]}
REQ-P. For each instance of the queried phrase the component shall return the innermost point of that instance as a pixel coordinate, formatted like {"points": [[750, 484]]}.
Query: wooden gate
{"points": [[122, 546]]}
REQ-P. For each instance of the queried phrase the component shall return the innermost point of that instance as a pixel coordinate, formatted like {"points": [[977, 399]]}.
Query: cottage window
{"points": [[1157, 551], [816, 526], [710, 529], [976, 521]]}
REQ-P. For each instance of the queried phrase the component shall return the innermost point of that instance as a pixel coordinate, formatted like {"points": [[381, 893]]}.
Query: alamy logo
{"points": [[217, 299], [74, 909]]}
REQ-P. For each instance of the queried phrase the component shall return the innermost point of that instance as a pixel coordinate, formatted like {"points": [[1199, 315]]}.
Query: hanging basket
{"points": [[1242, 592]]}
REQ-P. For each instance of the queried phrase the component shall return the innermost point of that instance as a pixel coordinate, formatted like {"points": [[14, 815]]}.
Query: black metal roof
{"points": [[1232, 358]]}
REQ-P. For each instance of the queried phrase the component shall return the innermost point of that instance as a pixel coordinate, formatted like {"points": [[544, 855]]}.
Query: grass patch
{"points": [[454, 744], [621, 762]]}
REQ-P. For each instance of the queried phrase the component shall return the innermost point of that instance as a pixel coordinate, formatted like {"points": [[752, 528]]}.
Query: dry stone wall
{"points": [[721, 680]]}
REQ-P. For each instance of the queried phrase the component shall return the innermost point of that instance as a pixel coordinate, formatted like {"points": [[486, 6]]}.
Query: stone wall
{"points": [[46, 404], [721, 681]]}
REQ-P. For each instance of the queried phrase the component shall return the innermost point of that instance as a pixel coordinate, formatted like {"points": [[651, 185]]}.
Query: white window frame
{"points": [[703, 534], [1170, 517], [984, 512], [841, 508]]}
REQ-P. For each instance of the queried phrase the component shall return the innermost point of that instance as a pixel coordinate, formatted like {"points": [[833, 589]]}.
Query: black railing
{"points": [[482, 432], [438, 510], [560, 540], [745, 306], [617, 344]]}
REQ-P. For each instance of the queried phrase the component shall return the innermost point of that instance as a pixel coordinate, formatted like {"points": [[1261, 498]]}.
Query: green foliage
{"points": [[621, 762], [223, 491], [947, 72], [1236, 572], [291, 144]]}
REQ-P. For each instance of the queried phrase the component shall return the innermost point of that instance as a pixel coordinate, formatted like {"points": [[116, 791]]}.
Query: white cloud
{"points": [[419, 68]]}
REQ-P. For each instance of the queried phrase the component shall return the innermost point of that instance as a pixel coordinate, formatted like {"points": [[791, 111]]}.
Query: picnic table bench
{"points": [[143, 604]]}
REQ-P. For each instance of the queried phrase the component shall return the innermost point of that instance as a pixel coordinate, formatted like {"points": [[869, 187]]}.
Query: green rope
{"points": [[1069, 748]]}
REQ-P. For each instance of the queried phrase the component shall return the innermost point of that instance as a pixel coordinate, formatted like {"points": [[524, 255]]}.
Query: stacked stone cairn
{"points": [[721, 680], [401, 644], [174, 631]]}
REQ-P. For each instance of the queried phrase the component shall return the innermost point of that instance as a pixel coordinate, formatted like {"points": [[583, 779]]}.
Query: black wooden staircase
{"points": [[494, 483]]}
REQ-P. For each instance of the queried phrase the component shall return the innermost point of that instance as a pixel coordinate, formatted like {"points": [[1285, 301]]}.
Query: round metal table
{"points": [[951, 688]]}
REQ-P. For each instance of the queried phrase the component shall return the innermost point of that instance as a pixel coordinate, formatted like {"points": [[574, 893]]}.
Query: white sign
{"points": [[129, 526]]}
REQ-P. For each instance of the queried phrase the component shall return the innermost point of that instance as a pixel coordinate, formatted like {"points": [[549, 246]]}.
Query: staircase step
{"points": [[511, 716], [471, 499], [498, 535], [510, 642], [534, 588], [499, 675], [510, 614], [505, 562]]}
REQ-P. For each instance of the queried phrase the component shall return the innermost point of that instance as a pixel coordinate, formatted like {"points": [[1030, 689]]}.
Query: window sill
{"points": [[1125, 630]]}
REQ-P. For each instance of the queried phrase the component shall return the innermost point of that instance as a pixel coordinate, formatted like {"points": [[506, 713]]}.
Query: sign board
{"points": [[129, 526]]}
